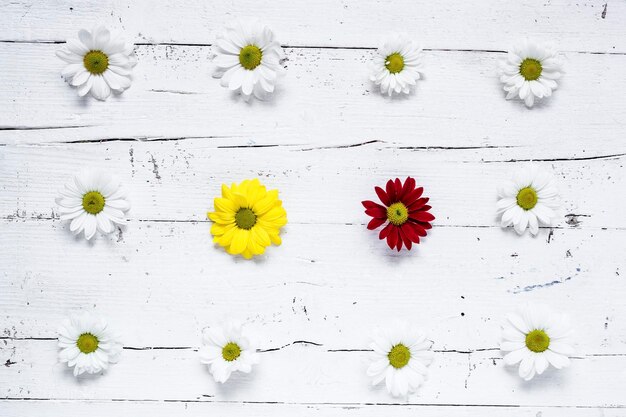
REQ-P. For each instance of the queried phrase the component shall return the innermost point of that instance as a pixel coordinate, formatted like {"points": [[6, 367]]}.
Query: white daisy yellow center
{"points": [[399, 356], [96, 62], [87, 343], [250, 57], [527, 198], [394, 63], [231, 351], [530, 69], [245, 218], [93, 202], [397, 214], [537, 341]]}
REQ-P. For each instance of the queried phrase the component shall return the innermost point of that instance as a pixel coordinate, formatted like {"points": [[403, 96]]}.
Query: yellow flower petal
{"points": [[222, 218], [226, 192], [219, 229], [263, 205], [247, 254], [255, 247], [224, 205], [240, 241], [226, 239], [270, 217], [276, 214], [276, 240], [260, 236]]}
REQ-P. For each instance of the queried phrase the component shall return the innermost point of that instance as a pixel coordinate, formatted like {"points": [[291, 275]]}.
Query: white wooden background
{"points": [[324, 141]]}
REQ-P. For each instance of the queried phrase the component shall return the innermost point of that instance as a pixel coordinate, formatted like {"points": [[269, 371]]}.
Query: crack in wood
{"points": [[583, 158], [288, 46], [333, 404]]}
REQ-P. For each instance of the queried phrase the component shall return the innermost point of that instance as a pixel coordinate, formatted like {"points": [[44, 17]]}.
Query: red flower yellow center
{"points": [[397, 214]]}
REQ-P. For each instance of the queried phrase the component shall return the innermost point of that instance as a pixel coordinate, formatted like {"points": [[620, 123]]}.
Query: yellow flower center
{"points": [[93, 202], [527, 198], [245, 218], [394, 63], [250, 57], [96, 62], [399, 356], [87, 343], [231, 351], [537, 341], [530, 69], [397, 214]]}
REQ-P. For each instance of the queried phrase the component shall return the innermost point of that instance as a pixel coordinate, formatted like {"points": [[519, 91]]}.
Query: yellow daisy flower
{"points": [[247, 218]]}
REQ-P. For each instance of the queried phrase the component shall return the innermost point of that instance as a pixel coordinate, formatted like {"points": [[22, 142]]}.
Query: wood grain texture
{"points": [[309, 374], [325, 100], [324, 141], [488, 24], [139, 408], [327, 284], [178, 180]]}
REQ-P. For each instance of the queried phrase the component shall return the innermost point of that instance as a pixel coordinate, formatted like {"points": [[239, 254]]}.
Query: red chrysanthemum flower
{"points": [[404, 209]]}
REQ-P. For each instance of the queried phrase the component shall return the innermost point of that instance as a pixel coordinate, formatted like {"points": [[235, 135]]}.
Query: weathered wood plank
{"points": [[448, 24], [326, 100], [44, 408], [178, 181], [309, 374], [327, 284]]}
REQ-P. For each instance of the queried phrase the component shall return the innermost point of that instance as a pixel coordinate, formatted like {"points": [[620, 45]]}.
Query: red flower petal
{"points": [[383, 196], [391, 191], [385, 232], [414, 231], [375, 223], [418, 204], [413, 195], [405, 238], [370, 204], [393, 237], [419, 219], [378, 212], [409, 185], [398, 188], [422, 216], [426, 226]]}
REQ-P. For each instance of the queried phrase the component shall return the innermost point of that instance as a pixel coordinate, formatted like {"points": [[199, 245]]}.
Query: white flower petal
{"points": [[85, 37], [515, 84], [115, 81], [120, 57], [527, 367], [258, 82], [80, 77], [516, 356], [100, 89], [541, 363], [85, 88], [530, 318], [213, 341], [69, 333]]}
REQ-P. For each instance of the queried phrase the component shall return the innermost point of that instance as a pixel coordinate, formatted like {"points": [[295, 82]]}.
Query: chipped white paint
{"points": [[324, 141]]}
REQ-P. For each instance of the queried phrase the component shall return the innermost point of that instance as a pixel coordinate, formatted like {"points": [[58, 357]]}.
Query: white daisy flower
{"points": [[401, 356], [530, 198], [87, 344], [247, 59], [226, 350], [535, 338], [98, 63], [93, 200], [397, 65], [530, 71]]}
